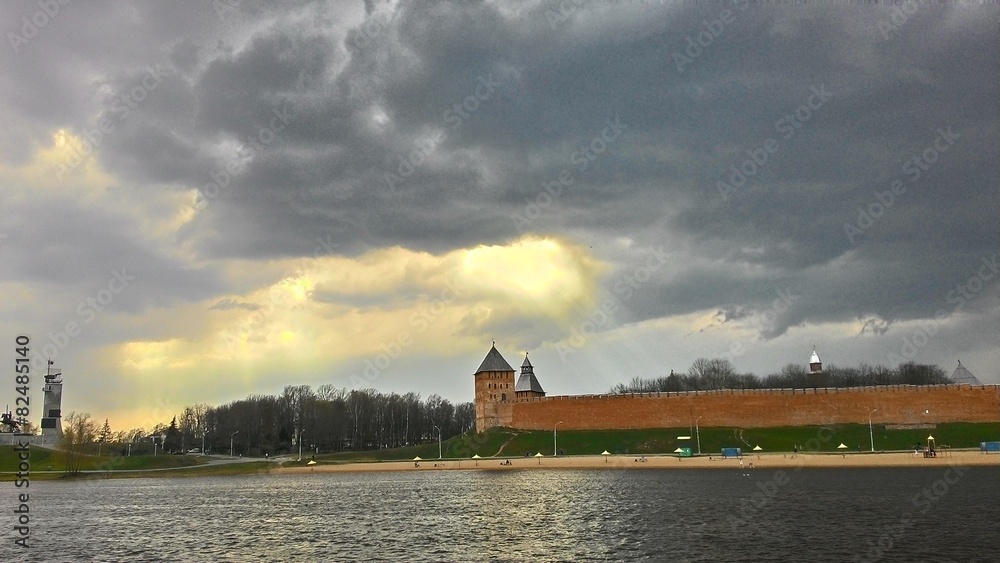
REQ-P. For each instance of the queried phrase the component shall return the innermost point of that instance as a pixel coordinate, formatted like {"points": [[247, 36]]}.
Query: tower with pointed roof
{"points": [[815, 366], [494, 391], [527, 384], [962, 376]]}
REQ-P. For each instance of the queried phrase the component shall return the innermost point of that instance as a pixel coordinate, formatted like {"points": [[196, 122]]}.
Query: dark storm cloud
{"points": [[369, 101]]}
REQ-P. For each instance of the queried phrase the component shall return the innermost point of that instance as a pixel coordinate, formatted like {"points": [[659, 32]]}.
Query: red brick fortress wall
{"points": [[758, 408]]}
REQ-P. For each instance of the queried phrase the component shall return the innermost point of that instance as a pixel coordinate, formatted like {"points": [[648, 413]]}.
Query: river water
{"points": [[898, 514]]}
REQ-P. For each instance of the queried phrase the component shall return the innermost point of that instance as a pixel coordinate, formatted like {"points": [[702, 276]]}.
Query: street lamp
{"points": [[203, 443], [154, 445], [300, 444], [871, 436], [555, 443], [698, 433], [439, 440], [231, 442]]}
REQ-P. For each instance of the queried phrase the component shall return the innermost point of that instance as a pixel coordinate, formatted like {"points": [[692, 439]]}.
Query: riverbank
{"points": [[762, 461]]}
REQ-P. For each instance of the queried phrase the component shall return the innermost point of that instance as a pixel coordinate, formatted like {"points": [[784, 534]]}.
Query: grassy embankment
{"points": [[516, 443], [504, 442], [45, 460]]}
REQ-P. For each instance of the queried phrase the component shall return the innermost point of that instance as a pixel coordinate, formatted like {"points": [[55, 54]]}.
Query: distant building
{"points": [[494, 385], [815, 366], [527, 385], [962, 376]]}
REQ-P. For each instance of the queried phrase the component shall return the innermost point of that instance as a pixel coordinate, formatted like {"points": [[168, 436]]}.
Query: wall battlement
{"points": [[757, 408], [496, 405]]}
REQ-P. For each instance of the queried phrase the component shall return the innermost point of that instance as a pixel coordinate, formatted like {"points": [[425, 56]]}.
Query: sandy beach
{"points": [[762, 461]]}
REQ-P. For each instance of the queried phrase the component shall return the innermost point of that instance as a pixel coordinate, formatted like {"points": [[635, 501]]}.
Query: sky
{"points": [[200, 201]]}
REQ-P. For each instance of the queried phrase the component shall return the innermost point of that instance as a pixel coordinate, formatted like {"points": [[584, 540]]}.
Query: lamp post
{"points": [[300, 444], [203, 443], [129, 450], [154, 445], [438, 428], [231, 442], [871, 436], [697, 430], [555, 442]]}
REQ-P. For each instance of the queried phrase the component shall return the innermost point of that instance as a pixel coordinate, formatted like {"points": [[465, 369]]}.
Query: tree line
{"points": [[322, 420], [717, 373]]}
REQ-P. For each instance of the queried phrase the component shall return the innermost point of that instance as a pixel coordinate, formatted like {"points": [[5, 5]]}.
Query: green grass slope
{"points": [[506, 442]]}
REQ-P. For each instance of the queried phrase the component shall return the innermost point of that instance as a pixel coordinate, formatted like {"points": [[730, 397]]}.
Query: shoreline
{"points": [[762, 461]]}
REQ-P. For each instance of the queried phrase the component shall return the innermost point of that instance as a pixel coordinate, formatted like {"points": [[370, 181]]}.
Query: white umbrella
{"points": [[757, 448], [477, 458], [418, 458], [678, 451], [605, 453], [539, 456], [842, 446], [311, 462]]}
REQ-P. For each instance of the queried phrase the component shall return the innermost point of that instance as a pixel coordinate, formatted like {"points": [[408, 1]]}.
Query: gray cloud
{"points": [[372, 101]]}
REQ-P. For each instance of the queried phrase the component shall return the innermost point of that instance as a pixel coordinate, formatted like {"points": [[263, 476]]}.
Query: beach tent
{"points": [[605, 453]]}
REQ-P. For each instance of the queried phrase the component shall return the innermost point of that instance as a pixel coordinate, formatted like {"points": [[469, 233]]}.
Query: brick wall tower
{"points": [[527, 384], [494, 391]]}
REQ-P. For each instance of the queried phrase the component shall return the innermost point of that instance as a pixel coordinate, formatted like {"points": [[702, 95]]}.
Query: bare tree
{"points": [[78, 431]]}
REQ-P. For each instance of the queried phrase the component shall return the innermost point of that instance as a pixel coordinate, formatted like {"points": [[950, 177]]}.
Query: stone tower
{"points": [[52, 403], [494, 391]]}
